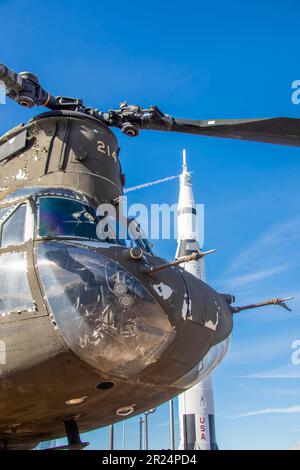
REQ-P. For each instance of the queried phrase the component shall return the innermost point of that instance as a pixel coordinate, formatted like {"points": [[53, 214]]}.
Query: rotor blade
{"points": [[11, 79], [282, 131], [24, 88]]}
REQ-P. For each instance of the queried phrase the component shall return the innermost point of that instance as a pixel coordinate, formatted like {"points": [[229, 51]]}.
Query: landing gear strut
{"points": [[73, 436]]}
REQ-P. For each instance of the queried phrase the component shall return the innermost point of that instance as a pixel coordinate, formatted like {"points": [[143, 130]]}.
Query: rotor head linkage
{"points": [[25, 89], [183, 259], [275, 301]]}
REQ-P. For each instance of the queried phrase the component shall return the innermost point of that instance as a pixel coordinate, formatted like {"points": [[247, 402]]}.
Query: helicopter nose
{"points": [[105, 314]]}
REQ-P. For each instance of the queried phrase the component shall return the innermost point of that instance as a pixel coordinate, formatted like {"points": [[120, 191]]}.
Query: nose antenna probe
{"points": [[183, 259], [275, 301]]}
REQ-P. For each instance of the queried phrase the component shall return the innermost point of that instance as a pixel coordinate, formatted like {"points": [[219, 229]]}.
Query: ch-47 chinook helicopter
{"points": [[94, 330]]}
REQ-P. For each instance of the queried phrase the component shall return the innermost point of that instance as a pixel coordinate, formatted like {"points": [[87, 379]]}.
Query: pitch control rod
{"points": [[183, 259], [275, 301]]}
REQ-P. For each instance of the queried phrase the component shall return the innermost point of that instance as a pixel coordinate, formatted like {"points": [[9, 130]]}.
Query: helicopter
{"points": [[95, 329]]}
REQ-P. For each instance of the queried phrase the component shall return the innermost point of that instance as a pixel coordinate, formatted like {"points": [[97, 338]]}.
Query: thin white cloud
{"points": [[165, 424], [237, 281], [269, 246], [267, 347], [296, 447], [264, 411], [281, 391], [285, 372], [256, 270]]}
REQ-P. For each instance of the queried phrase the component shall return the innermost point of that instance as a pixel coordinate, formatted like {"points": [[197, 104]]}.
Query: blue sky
{"points": [[199, 60]]}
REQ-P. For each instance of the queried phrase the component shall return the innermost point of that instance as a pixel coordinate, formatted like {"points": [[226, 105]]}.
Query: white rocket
{"points": [[196, 405]]}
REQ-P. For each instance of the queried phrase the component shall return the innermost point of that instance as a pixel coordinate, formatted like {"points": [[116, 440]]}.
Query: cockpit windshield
{"points": [[70, 218], [61, 217]]}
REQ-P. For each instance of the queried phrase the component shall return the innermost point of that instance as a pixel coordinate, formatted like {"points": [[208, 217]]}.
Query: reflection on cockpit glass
{"points": [[63, 217], [3, 211], [66, 217], [105, 315], [14, 227], [15, 293]]}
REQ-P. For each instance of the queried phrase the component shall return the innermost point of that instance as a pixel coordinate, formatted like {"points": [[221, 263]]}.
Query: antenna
{"points": [[184, 165]]}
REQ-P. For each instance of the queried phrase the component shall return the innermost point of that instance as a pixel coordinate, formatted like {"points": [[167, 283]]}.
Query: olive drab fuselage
{"points": [[77, 314]]}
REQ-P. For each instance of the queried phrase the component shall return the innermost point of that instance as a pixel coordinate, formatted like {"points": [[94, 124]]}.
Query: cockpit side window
{"points": [[142, 241], [3, 211], [14, 287], [111, 230], [13, 228], [123, 232]]}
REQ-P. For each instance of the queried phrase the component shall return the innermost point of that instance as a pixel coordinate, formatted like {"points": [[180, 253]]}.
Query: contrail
{"points": [[146, 185]]}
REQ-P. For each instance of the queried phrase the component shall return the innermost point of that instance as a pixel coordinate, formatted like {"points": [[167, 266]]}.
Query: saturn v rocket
{"points": [[196, 405]]}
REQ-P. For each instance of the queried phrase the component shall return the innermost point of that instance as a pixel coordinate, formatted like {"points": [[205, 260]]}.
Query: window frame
{"points": [[22, 247], [10, 314], [28, 231]]}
